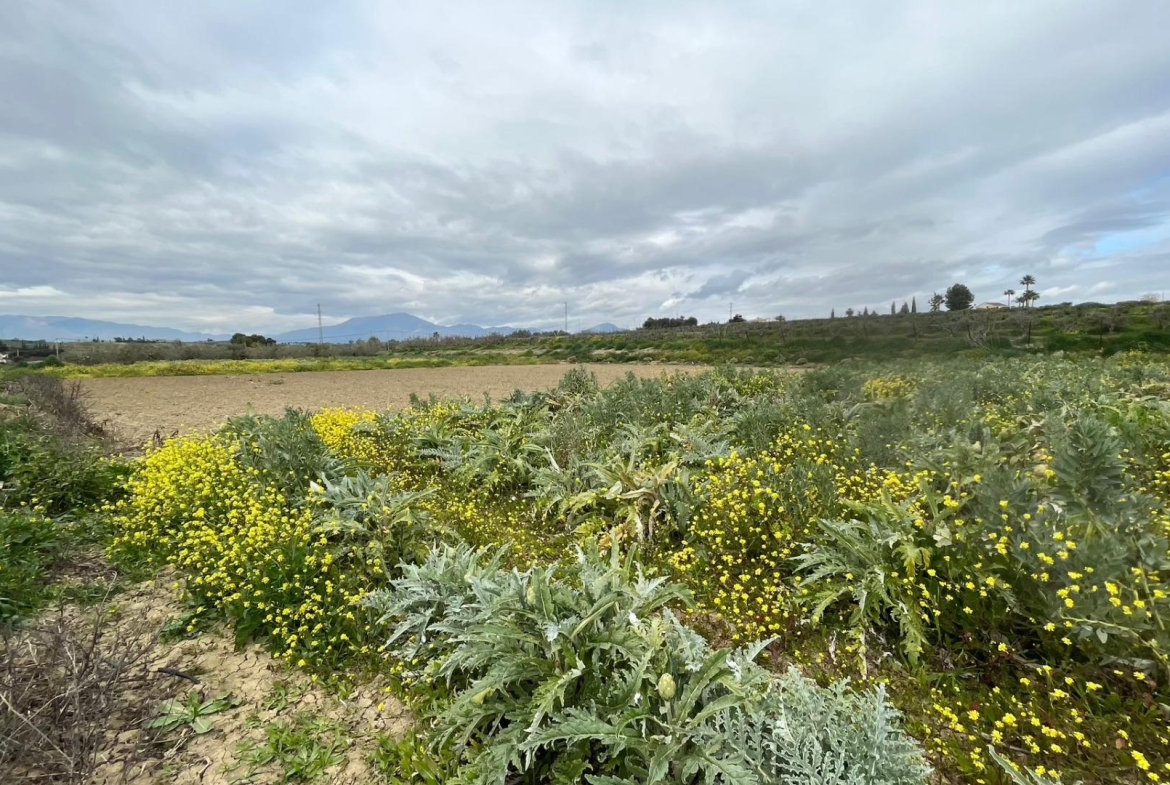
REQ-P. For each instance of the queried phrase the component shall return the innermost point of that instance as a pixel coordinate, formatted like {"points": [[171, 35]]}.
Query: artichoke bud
{"points": [[666, 686]]}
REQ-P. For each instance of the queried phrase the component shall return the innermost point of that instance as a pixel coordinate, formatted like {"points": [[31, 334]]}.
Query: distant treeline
{"points": [[1086, 327], [670, 322]]}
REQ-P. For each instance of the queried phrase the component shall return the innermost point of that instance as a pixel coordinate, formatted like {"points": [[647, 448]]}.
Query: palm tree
{"points": [[1009, 294], [1027, 282], [1031, 297]]}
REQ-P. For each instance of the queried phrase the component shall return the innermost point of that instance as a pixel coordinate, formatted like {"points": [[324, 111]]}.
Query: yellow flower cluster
{"points": [[881, 388], [381, 442], [1155, 481], [485, 520], [1130, 359], [1052, 719], [759, 383], [242, 549], [758, 510], [349, 433], [224, 367]]}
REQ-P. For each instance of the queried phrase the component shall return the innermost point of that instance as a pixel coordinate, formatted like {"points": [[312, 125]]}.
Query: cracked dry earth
{"points": [[267, 692]]}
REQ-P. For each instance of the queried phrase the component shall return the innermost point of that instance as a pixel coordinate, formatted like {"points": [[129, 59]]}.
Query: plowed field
{"points": [[138, 407]]}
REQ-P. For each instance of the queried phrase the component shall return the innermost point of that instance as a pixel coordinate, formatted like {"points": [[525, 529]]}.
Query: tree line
{"points": [[958, 297]]}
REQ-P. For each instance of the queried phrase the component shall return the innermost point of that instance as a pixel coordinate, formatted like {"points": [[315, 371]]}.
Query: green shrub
{"points": [[587, 676], [287, 450], [29, 542], [40, 467], [871, 564], [367, 519]]}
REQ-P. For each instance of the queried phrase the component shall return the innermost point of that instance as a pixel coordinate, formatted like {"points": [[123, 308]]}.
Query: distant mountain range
{"points": [[394, 326], [64, 328], [389, 327]]}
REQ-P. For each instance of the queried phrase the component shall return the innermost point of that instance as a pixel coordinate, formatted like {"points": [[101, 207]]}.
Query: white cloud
{"points": [[200, 167], [31, 293]]}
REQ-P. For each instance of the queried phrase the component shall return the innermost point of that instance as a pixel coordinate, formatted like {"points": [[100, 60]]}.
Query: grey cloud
{"points": [[203, 166], [722, 284]]}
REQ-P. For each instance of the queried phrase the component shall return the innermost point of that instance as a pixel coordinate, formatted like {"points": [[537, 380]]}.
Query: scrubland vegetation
{"points": [[1086, 327], [918, 571]]}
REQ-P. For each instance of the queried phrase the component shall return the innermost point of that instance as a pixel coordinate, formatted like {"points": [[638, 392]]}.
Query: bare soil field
{"points": [[138, 407]]}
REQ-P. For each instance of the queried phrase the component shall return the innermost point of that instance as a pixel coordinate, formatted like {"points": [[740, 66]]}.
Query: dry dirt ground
{"points": [[266, 691], [138, 407]]}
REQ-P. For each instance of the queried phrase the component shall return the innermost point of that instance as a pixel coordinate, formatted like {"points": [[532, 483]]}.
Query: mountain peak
{"points": [[604, 327], [388, 327]]}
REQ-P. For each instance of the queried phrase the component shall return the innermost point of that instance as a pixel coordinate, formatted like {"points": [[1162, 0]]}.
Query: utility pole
{"points": [[730, 306], [566, 317], [320, 329]]}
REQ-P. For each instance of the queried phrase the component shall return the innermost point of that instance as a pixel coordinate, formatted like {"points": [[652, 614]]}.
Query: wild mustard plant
{"points": [[242, 550]]}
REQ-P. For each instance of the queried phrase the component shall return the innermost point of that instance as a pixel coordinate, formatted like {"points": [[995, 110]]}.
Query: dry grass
{"points": [[77, 687], [63, 404], [67, 683]]}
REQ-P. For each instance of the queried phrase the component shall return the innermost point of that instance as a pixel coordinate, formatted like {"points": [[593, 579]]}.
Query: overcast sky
{"points": [[225, 165]]}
